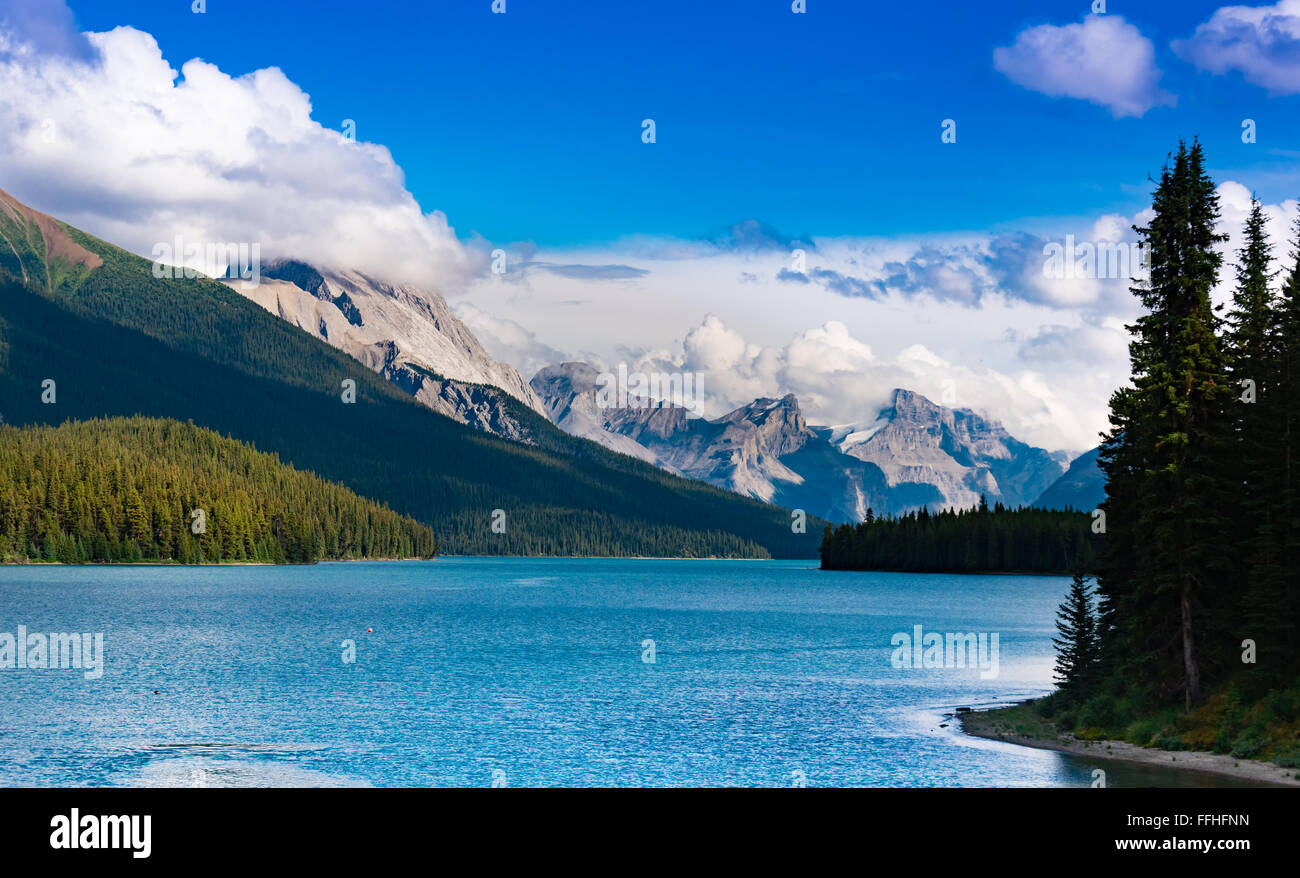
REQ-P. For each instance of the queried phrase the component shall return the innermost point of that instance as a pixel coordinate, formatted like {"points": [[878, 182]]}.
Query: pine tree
{"points": [[1165, 456], [1077, 648], [1251, 347]]}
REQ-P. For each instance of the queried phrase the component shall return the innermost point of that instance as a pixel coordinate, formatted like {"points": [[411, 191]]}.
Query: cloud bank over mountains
{"points": [[969, 320], [100, 130]]}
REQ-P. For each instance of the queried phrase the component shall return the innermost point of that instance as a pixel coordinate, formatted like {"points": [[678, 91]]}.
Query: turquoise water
{"points": [[521, 672]]}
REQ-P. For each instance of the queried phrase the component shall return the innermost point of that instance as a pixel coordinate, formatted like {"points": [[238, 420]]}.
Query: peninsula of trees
{"points": [[979, 540]]}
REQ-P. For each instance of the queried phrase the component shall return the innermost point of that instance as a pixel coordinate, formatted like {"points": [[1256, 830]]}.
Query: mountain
{"points": [[912, 454], [87, 330], [1083, 486], [765, 450], [405, 333], [127, 489], [568, 395], [938, 457]]}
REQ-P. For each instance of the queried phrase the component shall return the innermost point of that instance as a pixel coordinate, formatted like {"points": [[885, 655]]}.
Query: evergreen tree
{"points": [[1077, 648], [1164, 577], [1251, 347]]}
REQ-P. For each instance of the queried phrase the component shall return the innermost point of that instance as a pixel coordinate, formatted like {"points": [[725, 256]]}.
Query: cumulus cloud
{"points": [[712, 347], [1260, 42], [968, 319], [839, 380], [123, 146], [971, 320], [1104, 60], [975, 314]]}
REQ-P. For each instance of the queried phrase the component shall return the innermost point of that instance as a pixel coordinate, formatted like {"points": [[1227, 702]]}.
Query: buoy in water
{"points": [[370, 631]]}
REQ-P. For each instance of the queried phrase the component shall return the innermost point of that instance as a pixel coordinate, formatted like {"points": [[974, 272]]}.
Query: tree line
{"points": [[140, 489], [980, 539]]}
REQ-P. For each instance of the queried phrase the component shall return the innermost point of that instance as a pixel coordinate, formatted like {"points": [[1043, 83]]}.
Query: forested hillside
{"points": [[118, 341], [140, 489], [980, 540]]}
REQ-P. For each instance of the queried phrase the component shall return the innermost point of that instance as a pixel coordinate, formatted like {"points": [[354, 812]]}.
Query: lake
{"points": [[524, 672]]}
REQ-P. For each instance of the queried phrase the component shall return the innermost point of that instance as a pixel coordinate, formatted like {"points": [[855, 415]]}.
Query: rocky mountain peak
{"points": [[942, 457], [408, 334]]}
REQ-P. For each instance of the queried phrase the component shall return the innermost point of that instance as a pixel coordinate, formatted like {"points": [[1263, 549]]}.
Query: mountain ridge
{"points": [[913, 453], [408, 334]]}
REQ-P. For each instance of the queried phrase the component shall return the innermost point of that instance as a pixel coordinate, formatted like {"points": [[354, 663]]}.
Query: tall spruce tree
{"points": [[1251, 348], [1163, 577], [1077, 650]]}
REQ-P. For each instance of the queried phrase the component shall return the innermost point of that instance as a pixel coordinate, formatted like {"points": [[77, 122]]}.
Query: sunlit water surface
{"points": [[523, 672]]}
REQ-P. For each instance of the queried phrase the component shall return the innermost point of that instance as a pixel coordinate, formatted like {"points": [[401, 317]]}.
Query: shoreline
{"points": [[992, 724], [630, 558], [200, 563], [386, 560]]}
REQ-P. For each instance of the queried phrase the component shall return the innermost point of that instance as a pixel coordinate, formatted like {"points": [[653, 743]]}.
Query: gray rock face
{"points": [[406, 333], [940, 457], [568, 396], [480, 406], [763, 450]]}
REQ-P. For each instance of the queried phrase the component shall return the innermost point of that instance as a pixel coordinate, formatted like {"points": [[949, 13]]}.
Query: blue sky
{"points": [[526, 126]]}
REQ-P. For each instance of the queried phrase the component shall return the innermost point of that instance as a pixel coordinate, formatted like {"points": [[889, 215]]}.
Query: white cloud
{"points": [[711, 346], [1104, 60], [866, 319], [1261, 42], [838, 380], [117, 144]]}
